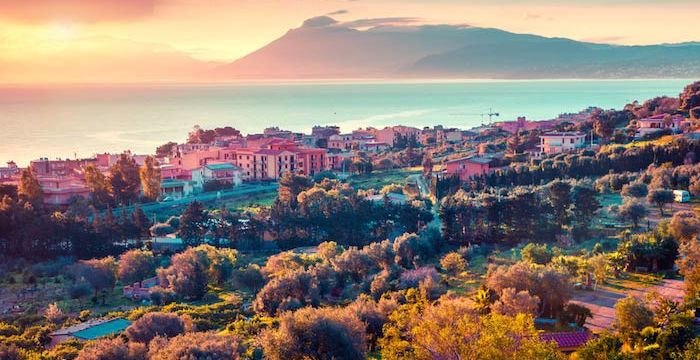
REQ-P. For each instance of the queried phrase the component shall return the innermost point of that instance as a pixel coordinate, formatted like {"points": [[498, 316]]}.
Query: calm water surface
{"points": [[62, 122]]}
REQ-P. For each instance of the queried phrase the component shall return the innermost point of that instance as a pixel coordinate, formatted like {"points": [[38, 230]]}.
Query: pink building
{"points": [[659, 122], [389, 134], [60, 190], [467, 167], [10, 171], [59, 167]]}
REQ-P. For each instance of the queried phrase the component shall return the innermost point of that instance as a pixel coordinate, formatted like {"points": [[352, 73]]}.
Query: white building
{"points": [[558, 142]]}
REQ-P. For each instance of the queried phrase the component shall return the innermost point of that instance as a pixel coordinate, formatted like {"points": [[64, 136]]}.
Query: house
{"points": [[468, 167], [140, 290], [659, 122], [224, 172], [558, 142], [393, 198], [89, 330], [375, 146], [567, 342], [177, 188], [390, 134], [61, 190], [166, 244]]}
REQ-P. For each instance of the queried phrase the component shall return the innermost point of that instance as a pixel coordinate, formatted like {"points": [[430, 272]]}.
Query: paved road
{"points": [[244, 189]]}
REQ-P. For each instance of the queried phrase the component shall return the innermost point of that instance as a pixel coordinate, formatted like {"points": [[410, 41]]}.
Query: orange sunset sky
{"points": [[47, 41]]}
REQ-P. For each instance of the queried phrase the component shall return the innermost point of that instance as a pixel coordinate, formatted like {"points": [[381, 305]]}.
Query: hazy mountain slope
{"points": [[323, 48]]}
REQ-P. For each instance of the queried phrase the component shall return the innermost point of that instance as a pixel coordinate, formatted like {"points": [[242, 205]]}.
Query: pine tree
{"points": [[150, 178], [29, 187]]}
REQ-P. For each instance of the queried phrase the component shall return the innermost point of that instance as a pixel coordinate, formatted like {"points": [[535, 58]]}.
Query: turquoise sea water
{"points": [[64, 121]]}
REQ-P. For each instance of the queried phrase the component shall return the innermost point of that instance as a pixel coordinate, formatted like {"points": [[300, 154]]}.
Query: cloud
{"points": [[338, 12], [364, 23], [37, 11], [319, 21]]}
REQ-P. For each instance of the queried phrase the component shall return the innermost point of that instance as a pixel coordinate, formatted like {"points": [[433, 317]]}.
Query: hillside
{"points": [[324, 48]]}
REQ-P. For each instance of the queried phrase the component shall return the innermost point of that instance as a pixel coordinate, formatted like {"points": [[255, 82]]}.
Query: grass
{"points": [[247, 200], [379, 179]]}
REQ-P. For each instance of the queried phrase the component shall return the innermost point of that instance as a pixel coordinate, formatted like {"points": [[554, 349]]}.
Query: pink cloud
{"points": [[75, 10]]}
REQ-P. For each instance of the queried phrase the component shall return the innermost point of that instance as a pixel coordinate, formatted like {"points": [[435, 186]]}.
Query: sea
{"points": [[81, 120]]}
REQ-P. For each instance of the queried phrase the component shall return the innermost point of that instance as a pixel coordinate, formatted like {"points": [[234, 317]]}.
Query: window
{"points": [[571, 141]]}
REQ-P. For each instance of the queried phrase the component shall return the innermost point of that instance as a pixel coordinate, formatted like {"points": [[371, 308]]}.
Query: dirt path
{"points": [[602, 301]]}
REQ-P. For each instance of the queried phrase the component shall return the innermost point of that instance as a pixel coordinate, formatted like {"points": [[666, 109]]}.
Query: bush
{"points": [[155, 324], [453, 263]]}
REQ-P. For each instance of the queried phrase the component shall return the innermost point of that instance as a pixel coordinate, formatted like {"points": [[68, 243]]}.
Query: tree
{"points": [[316, 334], [537, 254], [599, 268], [684, 226], [585, 203], [97, 183], [688, 263], [150, 178], [635, 189], [606, 347], [690, 97], [187, 275], [453, 263], [633, 211], [196, 345], [290, 186], [512, 303], [136, 265], [194, 223], [110, 349], [660, 197], [633, 315], [560, 197], [450, 329], [166, 149], [29, 187], [155, 324], [124, 181], [141, 223], [99, 273]]}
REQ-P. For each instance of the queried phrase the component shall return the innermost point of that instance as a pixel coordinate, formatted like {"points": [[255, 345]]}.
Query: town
{"points": [[574, 237]]}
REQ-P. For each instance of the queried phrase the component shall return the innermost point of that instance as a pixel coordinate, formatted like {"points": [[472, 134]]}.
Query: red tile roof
{"points": [[567, 339]]}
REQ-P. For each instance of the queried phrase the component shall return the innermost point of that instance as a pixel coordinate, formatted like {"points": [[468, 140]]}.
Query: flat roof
{"points": [[221, 166], [474, 159], [566, 133]]}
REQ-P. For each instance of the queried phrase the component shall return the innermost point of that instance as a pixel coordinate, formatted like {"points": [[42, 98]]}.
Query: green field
{"points": [[379, 179]]}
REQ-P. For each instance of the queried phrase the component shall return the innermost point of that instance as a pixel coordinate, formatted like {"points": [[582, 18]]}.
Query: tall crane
{"points": [[490, 114]]}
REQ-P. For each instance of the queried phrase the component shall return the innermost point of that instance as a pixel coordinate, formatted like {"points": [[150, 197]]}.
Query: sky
{"points": [[78, 40]]}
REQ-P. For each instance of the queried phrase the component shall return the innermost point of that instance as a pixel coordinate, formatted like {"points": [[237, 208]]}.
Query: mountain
{"points": [[377, 48]]}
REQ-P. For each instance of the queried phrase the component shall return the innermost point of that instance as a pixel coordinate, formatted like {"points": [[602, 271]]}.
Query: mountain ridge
{"points": [[323, 48]]}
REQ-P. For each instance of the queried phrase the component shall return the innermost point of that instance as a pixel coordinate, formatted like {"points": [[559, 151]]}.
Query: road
{"points": [[244, 189]]}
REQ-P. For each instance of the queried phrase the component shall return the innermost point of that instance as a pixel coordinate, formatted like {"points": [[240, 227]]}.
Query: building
{"points": [[177, 189], [659, 122], [61, 190], [140, 290], [223, 173], [59, 167], [10, 171], [375, 146], [389, 134], [468, 167], [89, 330], [558, 142]]}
